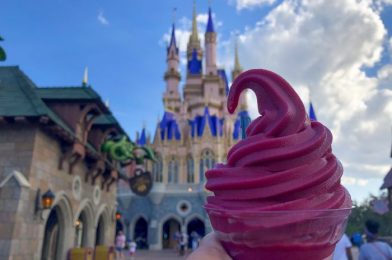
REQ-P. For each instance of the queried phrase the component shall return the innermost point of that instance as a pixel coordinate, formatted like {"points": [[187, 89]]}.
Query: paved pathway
{"points": [[169, 254], [160, 254]]}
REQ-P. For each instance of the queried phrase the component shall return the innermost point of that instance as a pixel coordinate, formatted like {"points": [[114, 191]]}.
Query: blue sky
{"points": [[339, 51], [53, 42]]}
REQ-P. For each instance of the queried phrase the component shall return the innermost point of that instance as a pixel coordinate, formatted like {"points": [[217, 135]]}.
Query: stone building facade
{"points": [[196, 132], [50, 140]]}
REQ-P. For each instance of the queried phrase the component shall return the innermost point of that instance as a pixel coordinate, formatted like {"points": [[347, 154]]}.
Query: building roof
{"points": [[142, 140], [74, 93], [169, 127], [387, 181], [199, 123], [210, 24], [312, 114], [194, 64], [237, 124], [19, 96], [223, 76]]}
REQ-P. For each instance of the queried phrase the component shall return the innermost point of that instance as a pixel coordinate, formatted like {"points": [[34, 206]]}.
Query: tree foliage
{"points": [[3, 56], [362, 212]]}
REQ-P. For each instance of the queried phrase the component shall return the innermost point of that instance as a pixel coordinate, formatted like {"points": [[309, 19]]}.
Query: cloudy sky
{"points": [[338, 52]]}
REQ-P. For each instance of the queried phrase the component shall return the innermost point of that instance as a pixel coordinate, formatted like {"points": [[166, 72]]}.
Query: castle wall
{"points": [[162, 204], [34, 153]]}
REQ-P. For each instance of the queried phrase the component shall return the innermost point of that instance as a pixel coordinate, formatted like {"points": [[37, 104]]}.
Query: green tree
{"points": [[362, 212], [3, 56]]}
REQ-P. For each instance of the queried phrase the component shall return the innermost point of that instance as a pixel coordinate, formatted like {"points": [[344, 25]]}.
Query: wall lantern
{"points": [[43, 202], [118, 215]]}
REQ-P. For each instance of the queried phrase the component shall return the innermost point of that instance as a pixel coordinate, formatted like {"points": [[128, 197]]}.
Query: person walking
{"points": [[132, 249], [343, 249], [374, 249], [120, 244]]}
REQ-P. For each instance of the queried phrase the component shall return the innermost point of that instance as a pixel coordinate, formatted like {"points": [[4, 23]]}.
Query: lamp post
{"points": [[118, 215], [43, 202]]}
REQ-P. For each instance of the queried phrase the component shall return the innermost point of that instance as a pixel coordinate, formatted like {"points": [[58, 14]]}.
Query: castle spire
{"points": [[171, 97], [194, 38], [173, 33], [237, 66], [85, 77], [210, 24], [194, 41], [173, 38], [210, 46]]}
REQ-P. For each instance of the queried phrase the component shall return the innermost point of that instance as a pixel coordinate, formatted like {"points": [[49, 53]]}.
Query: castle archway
{"points": [[195, 230], [84, 225], [57, 229], [140, 233], [102, 225], [169, 229]]}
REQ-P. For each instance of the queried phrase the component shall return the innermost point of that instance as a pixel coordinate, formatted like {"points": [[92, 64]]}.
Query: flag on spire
{"points": [[312, 114]]}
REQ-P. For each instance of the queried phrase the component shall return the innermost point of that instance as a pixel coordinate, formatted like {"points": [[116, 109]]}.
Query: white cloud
{"points": [[102, 19], [202, 18], [323, 47], [244, 4]]}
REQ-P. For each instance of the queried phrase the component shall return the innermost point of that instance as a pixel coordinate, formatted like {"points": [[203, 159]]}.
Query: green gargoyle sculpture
{"points": [[125, 151]]}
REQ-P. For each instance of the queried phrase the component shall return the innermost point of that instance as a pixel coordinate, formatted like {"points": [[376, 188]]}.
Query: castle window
{"points": [[157, 169], [207, 161], [190, 170], [173, 171]]}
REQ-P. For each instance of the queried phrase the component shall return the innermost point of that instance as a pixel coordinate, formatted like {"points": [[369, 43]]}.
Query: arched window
{"points": [[157, 169], [173, 171], [207, 161], [190, 170]]}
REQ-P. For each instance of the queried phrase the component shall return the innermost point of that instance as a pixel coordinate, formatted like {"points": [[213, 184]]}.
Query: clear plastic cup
{"points": [[273, 235]]}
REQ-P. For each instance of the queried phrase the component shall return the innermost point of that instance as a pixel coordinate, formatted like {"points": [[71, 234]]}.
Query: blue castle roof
{"points": [[142, 139], [312, 114], [173, 40], [194, 65], [169, 127], [237, 124], [198, 124], [210, 24], [222, 75]]}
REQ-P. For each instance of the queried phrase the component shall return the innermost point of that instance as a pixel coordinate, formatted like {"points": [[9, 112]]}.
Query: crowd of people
{"points": [[372, 249], [182, 240]]}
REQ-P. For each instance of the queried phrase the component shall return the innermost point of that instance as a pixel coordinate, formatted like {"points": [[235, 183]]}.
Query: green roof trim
{"points": [[74, 93], [19, 96]]}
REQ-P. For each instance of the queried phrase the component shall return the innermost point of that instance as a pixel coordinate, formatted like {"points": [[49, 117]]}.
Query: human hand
{"points": [[209, 249]]}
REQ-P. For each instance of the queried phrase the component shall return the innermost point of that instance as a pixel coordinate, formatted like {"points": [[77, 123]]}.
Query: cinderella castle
{"points": [[195, 132]]}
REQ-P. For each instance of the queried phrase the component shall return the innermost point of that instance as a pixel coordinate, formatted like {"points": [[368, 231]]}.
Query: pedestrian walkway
{"points": [[155, 254], [169, 254]]}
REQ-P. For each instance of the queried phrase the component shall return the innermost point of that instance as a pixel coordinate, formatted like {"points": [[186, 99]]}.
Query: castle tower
{"points": [[192, 90], [194, 41], [171, 97], [195, 132], [214, 91], [210, 46]]}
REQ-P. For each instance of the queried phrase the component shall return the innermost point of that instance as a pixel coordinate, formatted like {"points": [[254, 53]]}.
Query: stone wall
{"points": [[16, 150], [161, 205], [36, 154]]}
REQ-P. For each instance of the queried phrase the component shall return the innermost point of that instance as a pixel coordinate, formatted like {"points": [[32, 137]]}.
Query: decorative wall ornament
{"points": [[96, 195], [184, 207], [77, 187]]}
